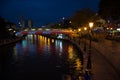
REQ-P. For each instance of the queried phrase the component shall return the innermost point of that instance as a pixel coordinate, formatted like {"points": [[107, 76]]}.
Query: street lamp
{"points": [[85, 28], [79, 29], [91, 24], [79, 34], [89, 54]]}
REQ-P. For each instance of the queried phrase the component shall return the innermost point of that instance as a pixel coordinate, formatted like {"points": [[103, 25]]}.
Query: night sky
{"points": [[43, 12]]}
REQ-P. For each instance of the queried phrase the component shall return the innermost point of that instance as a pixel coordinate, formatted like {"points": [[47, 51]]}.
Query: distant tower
{"points": [[29, 23], [22, 23]]}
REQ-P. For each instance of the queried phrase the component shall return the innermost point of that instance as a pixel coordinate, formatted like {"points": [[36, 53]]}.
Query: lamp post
{"points": [[79, 34], [89, 53], [85, 28]]}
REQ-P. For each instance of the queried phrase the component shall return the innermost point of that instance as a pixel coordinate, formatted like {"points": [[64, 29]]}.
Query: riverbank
{"points": [[10, 41]]}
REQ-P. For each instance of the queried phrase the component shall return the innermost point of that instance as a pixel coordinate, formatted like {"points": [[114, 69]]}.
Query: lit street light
{"points": [[91, 24], [89, 54], [85, 28], [79, 34]]}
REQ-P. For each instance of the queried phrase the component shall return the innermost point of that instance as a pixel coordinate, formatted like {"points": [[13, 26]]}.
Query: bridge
{"points": [[41, 31]]}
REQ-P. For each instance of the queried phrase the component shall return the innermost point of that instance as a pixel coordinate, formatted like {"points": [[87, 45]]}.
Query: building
{"points": [[22, 22], [29, 24]]}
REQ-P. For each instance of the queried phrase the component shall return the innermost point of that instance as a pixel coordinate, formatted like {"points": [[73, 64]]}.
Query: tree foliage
{"points": [[3, 30], [109, 8], [4, 33], [83, 17]]}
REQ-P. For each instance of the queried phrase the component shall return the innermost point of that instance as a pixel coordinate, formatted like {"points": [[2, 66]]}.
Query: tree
{"points": [[83, 17], [109, 8], [4, 32]]}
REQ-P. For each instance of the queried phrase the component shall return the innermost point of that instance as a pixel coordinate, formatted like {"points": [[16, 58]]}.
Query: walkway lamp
{"points": [[91, 24], [79, 29], [85, 28], [89, 52], [79, 34]]}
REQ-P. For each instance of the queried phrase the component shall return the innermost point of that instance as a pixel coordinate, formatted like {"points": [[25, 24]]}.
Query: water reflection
{"points": [[59, 46], [39, 57]]}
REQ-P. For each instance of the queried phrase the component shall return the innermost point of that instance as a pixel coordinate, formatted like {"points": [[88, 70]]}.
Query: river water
{"points": [[40, 58]]}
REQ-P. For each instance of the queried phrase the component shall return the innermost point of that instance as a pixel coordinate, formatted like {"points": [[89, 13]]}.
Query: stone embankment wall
{"points": [[9, 41]]}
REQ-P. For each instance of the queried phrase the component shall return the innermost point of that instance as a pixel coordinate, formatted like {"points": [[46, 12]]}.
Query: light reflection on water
{"points": [[40, 57]]}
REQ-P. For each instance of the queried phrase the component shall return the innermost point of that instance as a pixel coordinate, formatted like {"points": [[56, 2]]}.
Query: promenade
{"points": [[105, 59]]}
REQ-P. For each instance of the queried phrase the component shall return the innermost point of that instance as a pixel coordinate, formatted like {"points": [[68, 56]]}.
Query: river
{"points": [[40, 58]]}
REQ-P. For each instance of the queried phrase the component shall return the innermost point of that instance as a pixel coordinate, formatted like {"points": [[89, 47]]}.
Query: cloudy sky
{"points": [[43, 11]]}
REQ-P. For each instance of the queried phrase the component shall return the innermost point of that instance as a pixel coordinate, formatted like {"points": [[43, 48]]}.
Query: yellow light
{"points": [[111, 28], [33, 29], [85, 28], [91, 24], [107, 28], [26, 30], [47, 29], [48, 41], [70, 50], [70, 29], [79, 29], [39, 28], [10, 29], [78, 64], [52, 40]]}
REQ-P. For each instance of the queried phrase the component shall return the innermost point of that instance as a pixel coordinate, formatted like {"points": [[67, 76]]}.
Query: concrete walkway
{"points": [[105, 59], [101, 68]]}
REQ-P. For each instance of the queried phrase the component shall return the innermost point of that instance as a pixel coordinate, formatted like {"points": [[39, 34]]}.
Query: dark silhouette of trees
{"points": [[4, 29], [109, 9], [83, 17], [66, 23]]}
